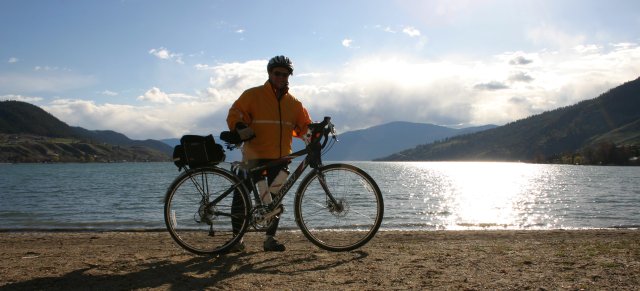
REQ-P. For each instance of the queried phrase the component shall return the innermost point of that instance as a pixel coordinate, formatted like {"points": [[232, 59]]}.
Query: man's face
{"points": [[279, 77]]}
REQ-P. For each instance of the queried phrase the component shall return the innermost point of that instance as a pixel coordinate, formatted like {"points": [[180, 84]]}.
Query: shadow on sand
{"points": [[193, 274]]}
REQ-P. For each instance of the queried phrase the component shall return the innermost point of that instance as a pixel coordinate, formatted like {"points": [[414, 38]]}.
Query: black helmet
{"points": [[280, 61]]}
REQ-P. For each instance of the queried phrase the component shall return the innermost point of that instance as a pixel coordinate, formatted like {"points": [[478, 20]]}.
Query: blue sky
{"points": [[160, 69]]}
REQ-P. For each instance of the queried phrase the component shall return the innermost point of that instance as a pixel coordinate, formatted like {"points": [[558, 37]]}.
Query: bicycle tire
{"points": [[199, 229], [356, 219]]}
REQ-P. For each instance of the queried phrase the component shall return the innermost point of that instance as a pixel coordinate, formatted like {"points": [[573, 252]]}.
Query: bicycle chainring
{"points": [[259, 221]]}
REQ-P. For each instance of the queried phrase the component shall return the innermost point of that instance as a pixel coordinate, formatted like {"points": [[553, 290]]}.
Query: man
{"points": [[267, 118]]}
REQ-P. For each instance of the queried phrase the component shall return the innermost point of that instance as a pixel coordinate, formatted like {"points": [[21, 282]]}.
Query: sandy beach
{"points": [[455, 260]]}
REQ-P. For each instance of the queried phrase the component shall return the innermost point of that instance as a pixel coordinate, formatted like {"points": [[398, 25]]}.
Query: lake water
{"points": [[418, 196]]}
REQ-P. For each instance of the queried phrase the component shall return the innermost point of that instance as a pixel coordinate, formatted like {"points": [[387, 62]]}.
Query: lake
{"points": [[418, 196]]}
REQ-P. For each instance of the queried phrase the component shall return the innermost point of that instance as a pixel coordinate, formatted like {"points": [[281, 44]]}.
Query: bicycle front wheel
{"points": [[339, 207], [199, 210]]}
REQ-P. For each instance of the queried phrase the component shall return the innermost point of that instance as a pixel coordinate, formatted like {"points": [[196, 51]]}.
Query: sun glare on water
{"points": [[486, 195]]}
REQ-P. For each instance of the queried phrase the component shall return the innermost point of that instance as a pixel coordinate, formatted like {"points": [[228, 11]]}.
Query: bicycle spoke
{"points": [[198, 225], [342, 198]]}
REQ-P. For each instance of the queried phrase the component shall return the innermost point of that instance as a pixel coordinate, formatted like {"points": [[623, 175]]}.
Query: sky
{"points": [[160, 69]]}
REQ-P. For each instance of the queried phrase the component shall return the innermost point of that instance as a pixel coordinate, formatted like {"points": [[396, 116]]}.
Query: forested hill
{"points": [[604, 130], [385, 139], [30, 134], [23, 118]]}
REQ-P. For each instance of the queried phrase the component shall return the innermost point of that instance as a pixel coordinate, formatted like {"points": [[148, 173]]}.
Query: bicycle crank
{"points": [[262, 218]]}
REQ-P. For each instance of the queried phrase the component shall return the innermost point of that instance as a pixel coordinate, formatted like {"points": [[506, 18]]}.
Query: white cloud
{"points": [[161, 53], [372, 90], [587, 49], [347, 42], [411, 31], [28, 99], [109, 93], [202, 67], [165, 54], [45, 68], [156, 96], [229, 80], [12, 60], [139, 122]]}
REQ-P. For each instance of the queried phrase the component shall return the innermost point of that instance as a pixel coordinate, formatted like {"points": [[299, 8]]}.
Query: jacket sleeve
{"points": [[239, 112], [302, 123]]}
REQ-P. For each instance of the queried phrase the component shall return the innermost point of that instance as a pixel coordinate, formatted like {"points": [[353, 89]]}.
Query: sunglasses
{"points": [[281, 74]]}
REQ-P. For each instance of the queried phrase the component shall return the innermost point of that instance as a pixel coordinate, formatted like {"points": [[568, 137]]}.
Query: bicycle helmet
{"points": [[282, 62]]}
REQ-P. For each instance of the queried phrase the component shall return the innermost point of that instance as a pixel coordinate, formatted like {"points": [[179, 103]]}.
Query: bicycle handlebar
{"points": [[317, 132], [321, 129]]}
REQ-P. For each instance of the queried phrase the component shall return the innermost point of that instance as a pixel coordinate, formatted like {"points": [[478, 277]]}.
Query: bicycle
{"points": [[338, 207]]}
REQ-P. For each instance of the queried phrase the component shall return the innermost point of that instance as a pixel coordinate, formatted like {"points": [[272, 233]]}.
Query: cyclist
{"points": [[266, 119]]}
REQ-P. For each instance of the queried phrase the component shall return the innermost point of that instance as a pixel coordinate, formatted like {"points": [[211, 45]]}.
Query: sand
{"points": [[454, 260]]}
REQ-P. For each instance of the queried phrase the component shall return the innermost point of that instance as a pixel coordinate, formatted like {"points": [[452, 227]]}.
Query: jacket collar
{"points": [[273, 90]]}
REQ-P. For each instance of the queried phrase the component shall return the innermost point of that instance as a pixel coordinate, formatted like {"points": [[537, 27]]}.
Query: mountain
{"points": [[382, 140], [374, 142], [611, 120], [116, 138], [20, 117], [30, 134]]}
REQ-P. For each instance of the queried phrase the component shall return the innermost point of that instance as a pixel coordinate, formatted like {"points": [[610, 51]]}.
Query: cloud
{"points": [[138, 122], [411, 31], [45, 68], [20, 98], [12, 60], [384, 88], [491, 86], [389, 29], [155, 95], [587, 49], [164, 54], [109, 93], [376, 89], [520, 77], [228, 81], [520, 60], [347, 42]]}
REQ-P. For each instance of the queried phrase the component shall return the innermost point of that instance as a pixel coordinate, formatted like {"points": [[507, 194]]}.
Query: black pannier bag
{"points": [[197, 151]]}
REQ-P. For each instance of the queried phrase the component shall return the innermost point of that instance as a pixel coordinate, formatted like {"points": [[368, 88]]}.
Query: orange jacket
{"points": [[274, 122]]}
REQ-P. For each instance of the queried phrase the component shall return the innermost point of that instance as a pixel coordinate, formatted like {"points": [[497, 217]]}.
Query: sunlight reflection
{"points": [[486, 195]]}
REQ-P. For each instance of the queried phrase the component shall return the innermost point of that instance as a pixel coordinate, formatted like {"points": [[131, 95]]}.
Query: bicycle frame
{"points": [[312, 153]]}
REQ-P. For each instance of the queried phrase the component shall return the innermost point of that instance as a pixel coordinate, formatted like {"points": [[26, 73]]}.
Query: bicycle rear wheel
{"points": [[197, 224], [349, 222]]}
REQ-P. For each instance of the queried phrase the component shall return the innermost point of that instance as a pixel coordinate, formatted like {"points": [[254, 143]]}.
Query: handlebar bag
{"points": [[197, 151]]}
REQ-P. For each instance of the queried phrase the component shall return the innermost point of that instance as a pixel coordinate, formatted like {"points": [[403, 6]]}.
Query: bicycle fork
{"points": [[333, 204]]}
